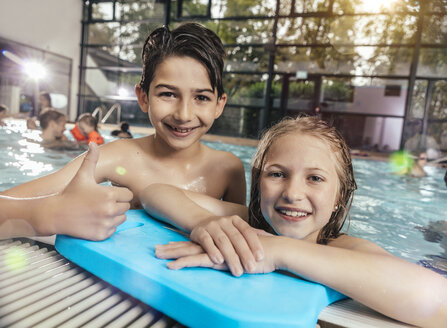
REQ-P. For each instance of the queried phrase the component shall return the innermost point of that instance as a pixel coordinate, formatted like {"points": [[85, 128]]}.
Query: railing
{"points": [[98, 111], [102, 119], [110, 112]]}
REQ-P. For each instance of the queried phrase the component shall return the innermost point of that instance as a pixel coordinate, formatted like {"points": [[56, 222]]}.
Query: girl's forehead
{"points": [[298, 142], [299, 148]]}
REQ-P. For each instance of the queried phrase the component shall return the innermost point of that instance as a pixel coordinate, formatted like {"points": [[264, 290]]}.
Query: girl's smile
{"points": [[299, 186]]}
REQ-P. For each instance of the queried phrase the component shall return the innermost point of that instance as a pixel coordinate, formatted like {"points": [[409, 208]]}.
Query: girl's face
{"points": [[181, 103], [299, 186]]}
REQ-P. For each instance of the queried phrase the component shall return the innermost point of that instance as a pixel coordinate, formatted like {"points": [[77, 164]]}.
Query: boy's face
{"points": [[181, 103], [58, 127]]}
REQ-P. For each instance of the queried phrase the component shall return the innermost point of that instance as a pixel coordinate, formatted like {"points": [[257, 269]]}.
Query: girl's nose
{"points": [[293, 190], [184, 112]]}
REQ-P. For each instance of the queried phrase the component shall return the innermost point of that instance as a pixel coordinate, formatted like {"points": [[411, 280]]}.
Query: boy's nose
{"points": [[184, 112]]}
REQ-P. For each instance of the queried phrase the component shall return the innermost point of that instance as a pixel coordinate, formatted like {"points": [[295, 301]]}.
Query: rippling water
{"points": [[399, 213]]}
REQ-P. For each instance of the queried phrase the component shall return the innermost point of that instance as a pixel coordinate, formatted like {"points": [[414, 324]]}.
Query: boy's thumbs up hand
{"points": [[88, 166], [88, 210]]}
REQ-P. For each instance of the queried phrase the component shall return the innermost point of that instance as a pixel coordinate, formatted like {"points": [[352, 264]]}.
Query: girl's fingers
{"points": [[175, 252], [175, 244], [202, 237], [239, 251], [252, 239], [229, 253], [199, 260]]}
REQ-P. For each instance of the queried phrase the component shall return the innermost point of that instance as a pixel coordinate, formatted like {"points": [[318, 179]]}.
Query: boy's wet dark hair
{"points": [[189, 39], [3, 108], [88, 119], [48, 116]]}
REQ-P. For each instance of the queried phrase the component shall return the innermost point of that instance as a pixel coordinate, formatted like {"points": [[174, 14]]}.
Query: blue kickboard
{"points": [[196, 297]]}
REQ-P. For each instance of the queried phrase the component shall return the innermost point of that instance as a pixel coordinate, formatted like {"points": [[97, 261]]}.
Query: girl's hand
{"points": [[190, 254], [231, 240]]}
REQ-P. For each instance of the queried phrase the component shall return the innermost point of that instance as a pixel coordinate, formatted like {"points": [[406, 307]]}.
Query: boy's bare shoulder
{"points": [[224, 158], [123, 146]]}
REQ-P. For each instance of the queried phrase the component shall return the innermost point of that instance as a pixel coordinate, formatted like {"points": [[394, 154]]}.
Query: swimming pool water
{"points": [[393, 211]]}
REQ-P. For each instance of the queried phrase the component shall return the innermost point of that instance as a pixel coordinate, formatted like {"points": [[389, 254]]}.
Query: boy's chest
{"points": [[207, 179]]}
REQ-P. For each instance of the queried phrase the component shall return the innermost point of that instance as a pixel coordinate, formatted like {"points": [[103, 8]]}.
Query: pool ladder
{"points": [[99, 111]]}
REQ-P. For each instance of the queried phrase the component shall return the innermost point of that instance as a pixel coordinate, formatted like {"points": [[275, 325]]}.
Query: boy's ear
{"points": [[142, 97], [220, 105]]}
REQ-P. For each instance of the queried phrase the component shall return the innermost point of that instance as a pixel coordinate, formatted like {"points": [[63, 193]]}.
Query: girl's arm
{"points": [[214, 224], [355, 267], [370, 275]]}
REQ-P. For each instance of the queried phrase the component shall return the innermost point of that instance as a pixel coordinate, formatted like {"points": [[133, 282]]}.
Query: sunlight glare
{"points": [[376, 5]]}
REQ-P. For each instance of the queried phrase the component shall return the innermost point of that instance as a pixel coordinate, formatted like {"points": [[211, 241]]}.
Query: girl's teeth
{"points": [[293, 213]]}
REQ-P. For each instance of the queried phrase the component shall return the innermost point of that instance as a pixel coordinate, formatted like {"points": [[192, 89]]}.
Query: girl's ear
{"points": [[143, 99], [220, 105]]}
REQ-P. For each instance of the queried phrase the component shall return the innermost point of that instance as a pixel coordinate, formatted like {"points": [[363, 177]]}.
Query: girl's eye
{"points": [[276, 174], [315, 178]]}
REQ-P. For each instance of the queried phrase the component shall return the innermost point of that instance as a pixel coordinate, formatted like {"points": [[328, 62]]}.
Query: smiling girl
{"points": [[302, 189]]}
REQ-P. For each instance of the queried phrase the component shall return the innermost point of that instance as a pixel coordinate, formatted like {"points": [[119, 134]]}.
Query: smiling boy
{"points": [[181, 90]]}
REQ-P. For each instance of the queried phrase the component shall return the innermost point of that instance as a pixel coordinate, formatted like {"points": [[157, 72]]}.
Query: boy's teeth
{"points": [[181, 130], [293, 213]]}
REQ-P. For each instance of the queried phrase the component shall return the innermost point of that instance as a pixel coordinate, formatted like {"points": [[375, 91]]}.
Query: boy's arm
{"points": [[57, 181], [214, 224], [186, 209], [83, 209]]}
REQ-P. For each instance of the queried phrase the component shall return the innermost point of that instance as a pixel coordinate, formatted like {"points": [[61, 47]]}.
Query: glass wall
{"points": [[26, 71], [376, 69]]}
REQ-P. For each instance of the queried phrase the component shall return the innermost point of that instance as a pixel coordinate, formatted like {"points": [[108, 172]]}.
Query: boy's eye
{"points": [[202, 98], [167, 94]]}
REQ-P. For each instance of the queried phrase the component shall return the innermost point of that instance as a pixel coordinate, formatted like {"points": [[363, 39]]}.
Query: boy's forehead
{"points": [[182, 71]]}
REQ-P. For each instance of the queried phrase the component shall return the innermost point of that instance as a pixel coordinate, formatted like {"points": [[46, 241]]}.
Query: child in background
{"points": [[417, 170], [52, 123], [44, 105], [301, 192], [3, 114], [181, 90], [123, 131], [86, 130]]}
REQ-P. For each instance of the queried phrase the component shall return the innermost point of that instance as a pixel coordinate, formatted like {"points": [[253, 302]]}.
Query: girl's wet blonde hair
{"points": [[312, 126]]}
